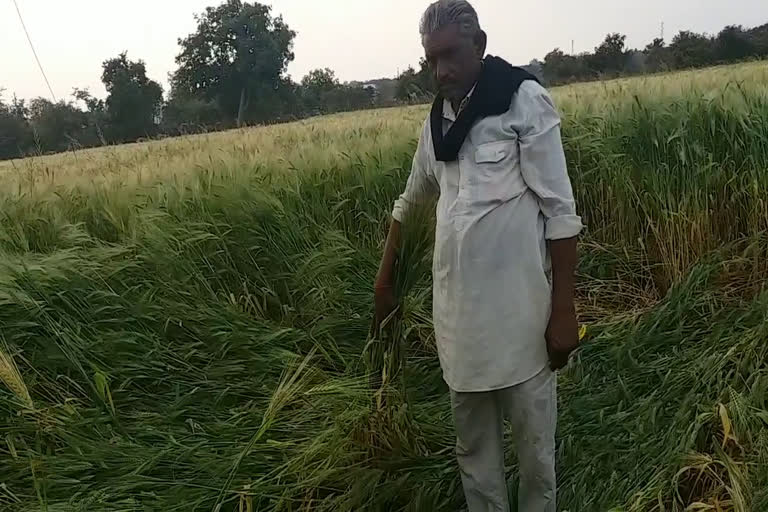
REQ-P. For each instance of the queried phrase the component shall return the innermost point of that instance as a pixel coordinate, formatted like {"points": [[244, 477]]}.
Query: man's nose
{"points": [[443, 72]]}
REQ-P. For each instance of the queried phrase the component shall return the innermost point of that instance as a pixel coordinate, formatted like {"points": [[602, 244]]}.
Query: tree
{"points": [[15, 132], [97, 114], [317, 87], [734, 44], [320, 79], [658, 56], [357, 98], [415, 85], [92, 104], [58, 126], [692, 50], [759, 38], [322, 93], [561, 68], [610, 56], [190, 115], [238, 52], [133, 101]]}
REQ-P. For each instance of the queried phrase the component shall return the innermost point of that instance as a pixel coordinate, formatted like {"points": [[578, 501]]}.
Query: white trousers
{"points": [[531, 408]]}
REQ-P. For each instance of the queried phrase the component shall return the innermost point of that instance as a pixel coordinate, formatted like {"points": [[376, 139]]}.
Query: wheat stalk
{"points": [[11, 377]]}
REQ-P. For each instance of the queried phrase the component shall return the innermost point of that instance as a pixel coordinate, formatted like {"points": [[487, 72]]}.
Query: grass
{"points": [[186, 323]]}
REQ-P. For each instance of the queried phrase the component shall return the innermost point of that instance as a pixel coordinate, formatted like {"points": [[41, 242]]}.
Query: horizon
{"points": [[339, 43]]}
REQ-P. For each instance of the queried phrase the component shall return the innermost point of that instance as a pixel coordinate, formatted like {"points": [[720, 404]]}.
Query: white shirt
{"points": [[505, 196]]}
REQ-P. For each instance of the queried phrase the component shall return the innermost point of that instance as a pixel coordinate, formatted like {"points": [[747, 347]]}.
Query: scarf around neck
{"points": [[498, 83]]}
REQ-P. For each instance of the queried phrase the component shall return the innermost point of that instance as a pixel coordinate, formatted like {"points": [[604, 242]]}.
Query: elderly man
{"points": [[504, 260]]}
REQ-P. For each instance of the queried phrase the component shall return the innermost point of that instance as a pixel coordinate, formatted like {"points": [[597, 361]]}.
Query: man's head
{"points": [[454, 46]]}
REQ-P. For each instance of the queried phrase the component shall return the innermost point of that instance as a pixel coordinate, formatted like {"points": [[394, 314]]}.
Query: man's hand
{"points": [[562, 336], [384, 301], [563, 329]]}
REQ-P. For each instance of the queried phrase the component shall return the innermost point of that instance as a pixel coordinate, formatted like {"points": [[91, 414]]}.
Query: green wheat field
{"points": [[185, 323]]}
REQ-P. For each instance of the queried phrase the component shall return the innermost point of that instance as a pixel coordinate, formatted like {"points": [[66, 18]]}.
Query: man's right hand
{"points": [[384, 301], [384, 298]]}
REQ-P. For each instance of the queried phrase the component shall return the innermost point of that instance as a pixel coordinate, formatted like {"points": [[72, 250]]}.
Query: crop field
{"points": [[185, 323]]}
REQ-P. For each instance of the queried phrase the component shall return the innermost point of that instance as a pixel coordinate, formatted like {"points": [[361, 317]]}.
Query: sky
{"points": [[358, 39]]}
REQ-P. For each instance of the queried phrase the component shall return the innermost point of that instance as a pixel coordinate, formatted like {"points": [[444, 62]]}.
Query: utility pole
{"points": [[573, 46], [34, 52], [662, 30]]}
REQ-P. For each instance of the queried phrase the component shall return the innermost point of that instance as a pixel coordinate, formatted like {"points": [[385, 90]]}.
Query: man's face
{"points": [[455, 60]]}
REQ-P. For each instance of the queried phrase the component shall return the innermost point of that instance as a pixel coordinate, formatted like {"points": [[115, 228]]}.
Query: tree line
{"points": [[687, 50], [612, 59], [232, 72]]}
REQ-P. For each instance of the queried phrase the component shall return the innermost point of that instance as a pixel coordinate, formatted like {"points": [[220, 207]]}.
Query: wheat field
{"points": [[185, 323]]}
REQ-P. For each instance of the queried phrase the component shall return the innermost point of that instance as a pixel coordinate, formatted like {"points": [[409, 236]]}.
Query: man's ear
{"points": [[481, 43]]}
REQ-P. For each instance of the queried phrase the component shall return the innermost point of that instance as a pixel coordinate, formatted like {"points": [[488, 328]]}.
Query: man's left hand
{"points": [[562, 336]]}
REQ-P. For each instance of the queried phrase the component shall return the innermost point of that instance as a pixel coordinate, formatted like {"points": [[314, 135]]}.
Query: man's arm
{"points": [[384, 293], [545, 172], [420, 187], [564, 260], [563, 328]]}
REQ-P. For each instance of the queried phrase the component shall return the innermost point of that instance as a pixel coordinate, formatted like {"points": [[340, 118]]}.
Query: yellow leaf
{"points": [[583, 332], [726, 421]]}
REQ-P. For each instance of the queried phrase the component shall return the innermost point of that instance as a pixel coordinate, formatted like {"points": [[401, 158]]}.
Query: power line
{"points": [[39, 65]]}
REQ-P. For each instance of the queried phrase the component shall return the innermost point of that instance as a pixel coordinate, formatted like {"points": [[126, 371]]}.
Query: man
{"points": [[505, 256]]}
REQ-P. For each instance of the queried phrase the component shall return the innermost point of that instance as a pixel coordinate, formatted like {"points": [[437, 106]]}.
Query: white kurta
{"points": [[505, 196]]}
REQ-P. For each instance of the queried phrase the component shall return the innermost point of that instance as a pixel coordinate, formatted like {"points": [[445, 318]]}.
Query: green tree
{"points": [[734, 44], [239, 53], [322, 93], [759, 38], [692, 50], [346, 98], [415, 85], [15, 133], [190, 115], [92, 104], [358, 97], [317, 89], [133, 102], [58, 126], [97, 114], [658, 55], [610, 56], [320, 79], [559, 67]]}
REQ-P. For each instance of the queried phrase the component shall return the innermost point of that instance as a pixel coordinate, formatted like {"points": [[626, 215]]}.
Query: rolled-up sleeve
{"points": [[542, 161], [421, 185]]}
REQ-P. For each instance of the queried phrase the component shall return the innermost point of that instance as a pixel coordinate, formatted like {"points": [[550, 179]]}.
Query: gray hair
{"points": [[450, 12]]}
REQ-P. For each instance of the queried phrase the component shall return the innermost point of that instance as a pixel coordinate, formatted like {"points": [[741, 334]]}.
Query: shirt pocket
{"points": [[496, 176]]}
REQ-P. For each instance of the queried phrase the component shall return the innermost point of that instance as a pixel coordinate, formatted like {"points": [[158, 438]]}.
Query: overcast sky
{"points": [[359, 39]]}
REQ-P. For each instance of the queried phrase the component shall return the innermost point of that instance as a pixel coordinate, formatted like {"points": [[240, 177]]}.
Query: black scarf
{"points": [[498, 83]]}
